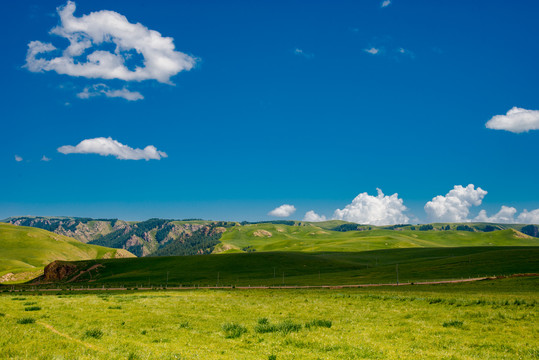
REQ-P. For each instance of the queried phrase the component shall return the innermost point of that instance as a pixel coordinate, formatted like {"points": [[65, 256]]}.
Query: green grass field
{"points": [[330, 268], [484, 320], [28, 250], [316, 237]]}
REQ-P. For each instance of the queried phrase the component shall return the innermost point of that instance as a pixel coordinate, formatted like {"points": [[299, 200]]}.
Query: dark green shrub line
{"points": [[30, 303], [32, 308]]}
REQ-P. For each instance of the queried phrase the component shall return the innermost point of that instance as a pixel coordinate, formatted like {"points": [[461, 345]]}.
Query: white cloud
{"points": [[18, 158], [517, 120], [374, 210], [102, 89], [313, 217], [386, 3], [529, 217], [455, 205], [372, 50], [300, 52], [85, 57], [44, 158], [108, 146], [505, 215], [284, 210]]}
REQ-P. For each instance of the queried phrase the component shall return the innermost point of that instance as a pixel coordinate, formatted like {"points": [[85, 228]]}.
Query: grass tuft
{"points": [[94, 333], [318, 323], [233, 330], [453, 323], [26, 320], [32, 308]]}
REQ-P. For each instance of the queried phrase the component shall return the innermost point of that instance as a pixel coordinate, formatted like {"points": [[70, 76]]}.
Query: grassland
{"points": [[484, 320], [315, 237], [28, 250], [304, 268]]}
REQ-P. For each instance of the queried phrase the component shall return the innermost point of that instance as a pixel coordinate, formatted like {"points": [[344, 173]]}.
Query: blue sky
{"points": [[283, 105]]}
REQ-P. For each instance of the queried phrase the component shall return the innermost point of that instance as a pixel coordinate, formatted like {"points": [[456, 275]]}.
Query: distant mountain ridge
{"points": [[166, 237], [158, 237]]}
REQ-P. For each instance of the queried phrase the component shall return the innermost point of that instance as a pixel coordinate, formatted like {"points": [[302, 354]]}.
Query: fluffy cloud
{"points": [[86, 57], [505, 215], [455, 205], [374, 210], [313, 217], [517, 120], [44, 158], [372, 51], [531, 217], [284, 210], [102, 89], [386, 3], [18, 158], [108, 146]]}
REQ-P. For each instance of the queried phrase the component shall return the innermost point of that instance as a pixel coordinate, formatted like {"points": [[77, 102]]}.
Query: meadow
{"points": [[493, 319]]}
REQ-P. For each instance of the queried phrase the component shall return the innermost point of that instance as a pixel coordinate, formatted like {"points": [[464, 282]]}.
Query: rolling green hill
{"points": [[163, 237], [313, 238], [27, 249], [304, 268]]}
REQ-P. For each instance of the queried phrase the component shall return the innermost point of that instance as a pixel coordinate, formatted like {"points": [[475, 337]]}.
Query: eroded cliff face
{"points": [[58, 271]]}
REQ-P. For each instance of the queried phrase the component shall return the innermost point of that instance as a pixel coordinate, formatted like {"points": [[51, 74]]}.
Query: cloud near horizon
{"points": [[386, 3], [516, 120], [372, 51], [107, 146], [455, 205], [284, 210], [18, 158], [86, 56], [313, 217], [374, 210]]}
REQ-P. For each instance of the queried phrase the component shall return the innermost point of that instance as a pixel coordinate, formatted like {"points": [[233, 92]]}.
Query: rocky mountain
{"points": [[153, 237]]}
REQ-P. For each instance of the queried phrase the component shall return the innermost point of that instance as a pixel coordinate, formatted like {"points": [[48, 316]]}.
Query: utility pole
{"points": [[397, 268]]}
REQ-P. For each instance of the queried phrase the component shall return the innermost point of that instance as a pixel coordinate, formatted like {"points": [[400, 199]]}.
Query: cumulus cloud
{"points": [[529, 217], [516, 120], [108, 146], [284, 210], [313, 217], [374, 210], [386, 3], [102, 89], [86, 57], [18, 158], [455, 205], [44, 158], [372, 51], [505, 215]]}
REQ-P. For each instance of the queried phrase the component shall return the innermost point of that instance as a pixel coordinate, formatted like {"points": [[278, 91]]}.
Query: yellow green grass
{"points": [[485, 320], [313, 237], [27, 249]]}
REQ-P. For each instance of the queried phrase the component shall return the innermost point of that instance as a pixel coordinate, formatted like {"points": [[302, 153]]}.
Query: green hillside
{"points": [[302, 268], [27, 249], [313, 238]]}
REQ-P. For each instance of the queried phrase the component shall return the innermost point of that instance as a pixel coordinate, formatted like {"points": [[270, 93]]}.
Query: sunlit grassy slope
{"points": [[318, 237], [28, 249]]}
